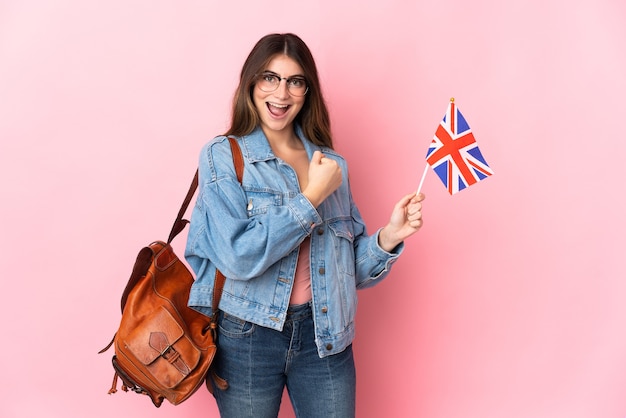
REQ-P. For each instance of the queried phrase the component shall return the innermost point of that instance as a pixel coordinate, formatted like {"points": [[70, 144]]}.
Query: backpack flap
{"points": [[161, 346]]}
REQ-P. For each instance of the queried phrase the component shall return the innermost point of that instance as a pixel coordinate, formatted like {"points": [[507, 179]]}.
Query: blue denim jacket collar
{"points": [[257, 148]]}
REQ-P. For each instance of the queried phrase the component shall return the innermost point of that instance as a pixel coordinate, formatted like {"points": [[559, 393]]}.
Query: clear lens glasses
{"points": [[269, 82]]}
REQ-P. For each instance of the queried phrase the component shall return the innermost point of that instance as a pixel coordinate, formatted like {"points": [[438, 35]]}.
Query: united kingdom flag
{"points": [[454, 153]]}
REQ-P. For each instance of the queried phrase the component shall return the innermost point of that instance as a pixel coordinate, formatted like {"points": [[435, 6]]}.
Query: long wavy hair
{"points": [[313, 117]]}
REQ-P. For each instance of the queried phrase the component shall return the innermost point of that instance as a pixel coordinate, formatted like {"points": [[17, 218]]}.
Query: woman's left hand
{"points": [[406, 219]]}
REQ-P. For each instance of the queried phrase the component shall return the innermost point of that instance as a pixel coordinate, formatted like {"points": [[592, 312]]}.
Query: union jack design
{"points": [[454, 153]]}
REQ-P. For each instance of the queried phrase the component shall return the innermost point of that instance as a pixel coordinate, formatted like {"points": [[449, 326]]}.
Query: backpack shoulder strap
{"points": [[179, 223], [237, 158]]}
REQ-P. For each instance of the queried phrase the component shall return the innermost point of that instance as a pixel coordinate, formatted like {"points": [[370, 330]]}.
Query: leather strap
{"points": [[179, 223], [237, 158]]}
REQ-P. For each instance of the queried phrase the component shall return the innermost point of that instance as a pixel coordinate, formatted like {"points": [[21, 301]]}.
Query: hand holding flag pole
{"points": [[454, 155]]}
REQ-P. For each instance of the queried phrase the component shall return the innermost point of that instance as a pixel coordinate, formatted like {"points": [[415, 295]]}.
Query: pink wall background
{"points": [[510, 301]]}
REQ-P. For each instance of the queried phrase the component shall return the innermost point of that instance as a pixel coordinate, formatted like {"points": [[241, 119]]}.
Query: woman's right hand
{"points": [[324, 178]]}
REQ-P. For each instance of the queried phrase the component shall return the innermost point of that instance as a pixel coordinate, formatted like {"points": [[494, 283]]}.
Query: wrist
{"points": [[312, 198], [386, 241]]}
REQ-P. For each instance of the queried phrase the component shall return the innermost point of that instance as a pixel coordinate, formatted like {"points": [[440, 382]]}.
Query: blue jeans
{"points": [[259, 362]]}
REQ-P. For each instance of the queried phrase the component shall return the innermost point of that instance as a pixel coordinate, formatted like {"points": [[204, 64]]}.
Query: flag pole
{"points": [[419, 188]]}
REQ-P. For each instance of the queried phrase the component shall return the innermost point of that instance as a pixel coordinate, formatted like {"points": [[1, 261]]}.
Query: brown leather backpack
{"points": [[163, 348]]}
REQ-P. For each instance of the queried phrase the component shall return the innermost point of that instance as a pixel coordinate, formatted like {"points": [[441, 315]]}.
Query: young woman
{"points": [[290, 241]]}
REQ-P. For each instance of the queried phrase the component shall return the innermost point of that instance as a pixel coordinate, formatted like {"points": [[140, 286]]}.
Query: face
{"points": [[278, 109]]}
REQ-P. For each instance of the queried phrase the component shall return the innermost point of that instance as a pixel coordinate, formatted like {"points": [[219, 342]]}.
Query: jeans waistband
{"points": [[300, 311]]}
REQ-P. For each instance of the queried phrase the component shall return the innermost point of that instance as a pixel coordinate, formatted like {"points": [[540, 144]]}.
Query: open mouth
{"points": [[276, 109]]}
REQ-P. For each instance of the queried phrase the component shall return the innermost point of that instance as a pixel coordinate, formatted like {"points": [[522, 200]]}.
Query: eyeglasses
{"points": [[269, 82]]}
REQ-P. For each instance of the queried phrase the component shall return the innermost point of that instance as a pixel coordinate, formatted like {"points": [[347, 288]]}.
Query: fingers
{"points": [[403, 203], [411, 199], [414, 210], [317, 157], [408, 210]]}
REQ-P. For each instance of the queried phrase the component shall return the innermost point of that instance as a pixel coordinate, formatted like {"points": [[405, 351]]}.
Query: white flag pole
{"points": [[419, 188]]}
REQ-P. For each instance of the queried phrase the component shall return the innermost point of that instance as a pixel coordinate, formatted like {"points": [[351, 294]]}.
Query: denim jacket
{"points": [[252, 231]]}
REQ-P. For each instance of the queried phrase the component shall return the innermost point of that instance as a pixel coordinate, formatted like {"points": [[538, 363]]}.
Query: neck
{"points": [[285, 138]]}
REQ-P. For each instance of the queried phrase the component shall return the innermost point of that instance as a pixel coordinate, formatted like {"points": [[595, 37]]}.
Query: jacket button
{"points": [[320, 231], [324, 309], [322, 270], [329, 346]]}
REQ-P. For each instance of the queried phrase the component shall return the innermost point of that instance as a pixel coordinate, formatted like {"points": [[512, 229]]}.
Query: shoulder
{"points": [[216, 159], [217, 146]]}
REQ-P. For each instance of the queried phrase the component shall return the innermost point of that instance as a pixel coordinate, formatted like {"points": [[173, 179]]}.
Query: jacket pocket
{"points": [[343, 245], [258, 202]]}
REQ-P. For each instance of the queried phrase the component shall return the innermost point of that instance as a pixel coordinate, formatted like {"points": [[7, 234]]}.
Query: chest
{"points": [[299, 163]]}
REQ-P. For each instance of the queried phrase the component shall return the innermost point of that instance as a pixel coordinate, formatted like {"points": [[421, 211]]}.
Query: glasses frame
{"points": [[287, 80]]}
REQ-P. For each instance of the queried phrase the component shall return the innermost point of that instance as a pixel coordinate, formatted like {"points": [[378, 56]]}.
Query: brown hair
{"points": [[313, 117]]}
